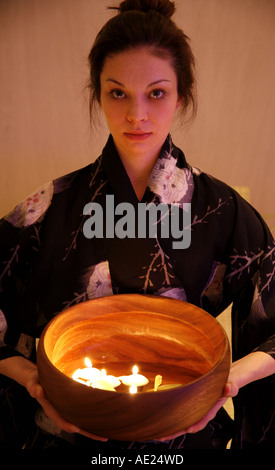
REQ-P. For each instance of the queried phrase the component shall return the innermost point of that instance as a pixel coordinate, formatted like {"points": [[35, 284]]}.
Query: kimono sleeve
{"points": [[251, 279], [19, 246]]}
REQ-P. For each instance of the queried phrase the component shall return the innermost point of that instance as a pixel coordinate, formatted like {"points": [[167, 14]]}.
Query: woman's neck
{"points": [[139, 171]]}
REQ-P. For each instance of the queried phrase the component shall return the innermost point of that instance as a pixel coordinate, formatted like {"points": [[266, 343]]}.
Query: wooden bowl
{"points": [[181, 342]]}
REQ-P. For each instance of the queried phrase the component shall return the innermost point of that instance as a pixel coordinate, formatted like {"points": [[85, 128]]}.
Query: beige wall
{"points": [[43, 112]]}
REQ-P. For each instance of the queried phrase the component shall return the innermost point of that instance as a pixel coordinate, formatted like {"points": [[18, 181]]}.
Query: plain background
{"points": [[44, 121]]}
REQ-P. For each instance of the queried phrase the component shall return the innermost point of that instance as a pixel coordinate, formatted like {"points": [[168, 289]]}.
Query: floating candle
{"points": [[111, 379], [95, 378], [89, 373], [134, 379], [103, 385], [85, 382]]}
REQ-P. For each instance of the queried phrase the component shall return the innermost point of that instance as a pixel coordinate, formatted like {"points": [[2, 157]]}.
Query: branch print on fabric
{"points": [[209, 211], [8, 263], [269, 258], [99, 186], [243, 262], [76, 299], [159, 263], [264, 281]]}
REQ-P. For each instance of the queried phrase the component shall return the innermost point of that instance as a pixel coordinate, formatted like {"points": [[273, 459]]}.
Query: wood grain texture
{"points": [[162, 336]]}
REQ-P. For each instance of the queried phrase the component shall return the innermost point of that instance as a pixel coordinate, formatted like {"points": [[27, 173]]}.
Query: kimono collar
{"points": [[171, 178]]}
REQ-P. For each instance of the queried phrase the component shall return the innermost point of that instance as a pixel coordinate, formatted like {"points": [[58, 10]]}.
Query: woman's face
{"points": [[139, 98]]}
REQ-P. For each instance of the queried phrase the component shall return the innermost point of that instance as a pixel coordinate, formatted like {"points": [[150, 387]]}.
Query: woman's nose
{"points": [[137, 111]]}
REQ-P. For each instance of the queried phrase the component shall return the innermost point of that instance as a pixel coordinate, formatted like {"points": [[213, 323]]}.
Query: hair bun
{"points": [[164, 7]]}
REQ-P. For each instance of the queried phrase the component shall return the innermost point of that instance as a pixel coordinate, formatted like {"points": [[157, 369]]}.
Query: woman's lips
{"points": [[137, 135]]}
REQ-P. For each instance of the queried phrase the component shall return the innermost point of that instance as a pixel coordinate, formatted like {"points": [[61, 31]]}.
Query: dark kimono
{"points": [[47, 264]]}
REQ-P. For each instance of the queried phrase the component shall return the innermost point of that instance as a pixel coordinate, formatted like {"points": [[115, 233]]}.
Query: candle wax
{"points": [[111, 379], [103, 385], [134, 379], [88, 373]]}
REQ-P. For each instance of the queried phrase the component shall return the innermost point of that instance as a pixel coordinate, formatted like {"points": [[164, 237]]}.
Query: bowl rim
{"points": [[59, 316]]}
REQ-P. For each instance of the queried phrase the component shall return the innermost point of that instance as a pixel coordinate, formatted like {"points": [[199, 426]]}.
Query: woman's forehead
{"points": [[141, 65]]}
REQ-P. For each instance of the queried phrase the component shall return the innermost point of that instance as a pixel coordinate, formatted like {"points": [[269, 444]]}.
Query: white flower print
{"points": [[168, 181], [3, 326], [100, 281], [173, 293], [33, 208]]}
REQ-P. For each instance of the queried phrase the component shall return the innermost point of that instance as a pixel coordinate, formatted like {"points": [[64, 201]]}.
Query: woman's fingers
{"points": [[231, 389], [202, 423], [52, 413], [37, 392]]}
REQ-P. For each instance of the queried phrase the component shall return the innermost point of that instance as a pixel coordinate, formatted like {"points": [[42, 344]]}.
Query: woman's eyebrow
{"points": [[150, 84], [159, 81], [114, 81]]}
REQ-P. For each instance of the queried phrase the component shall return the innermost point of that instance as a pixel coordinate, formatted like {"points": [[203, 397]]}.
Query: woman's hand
{"points": [[36, 391], [254, 366], [230, 390], [25, 373]]}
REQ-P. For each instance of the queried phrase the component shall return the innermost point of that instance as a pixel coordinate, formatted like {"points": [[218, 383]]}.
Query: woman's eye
{"points": [[157, 94], [118, 94]]}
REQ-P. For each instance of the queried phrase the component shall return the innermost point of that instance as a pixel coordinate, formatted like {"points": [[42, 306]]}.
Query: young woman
{"points": [[141, 76]]}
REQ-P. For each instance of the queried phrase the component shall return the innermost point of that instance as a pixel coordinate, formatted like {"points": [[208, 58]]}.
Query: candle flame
{"points": [[96, 378], [87, 362]]}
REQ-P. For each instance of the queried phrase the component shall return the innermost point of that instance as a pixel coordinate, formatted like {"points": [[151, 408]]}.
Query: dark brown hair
{"points": [[145, 23]]}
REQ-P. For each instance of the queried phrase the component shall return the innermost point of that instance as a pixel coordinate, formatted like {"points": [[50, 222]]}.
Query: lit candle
{"points": [[134, 379], [85, 382], [111, 379], [103, 385], [89, 373], [95, 378]]}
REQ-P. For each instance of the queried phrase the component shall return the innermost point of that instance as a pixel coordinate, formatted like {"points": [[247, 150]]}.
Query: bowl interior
{"points": [[157, 343], [177, 340]]}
